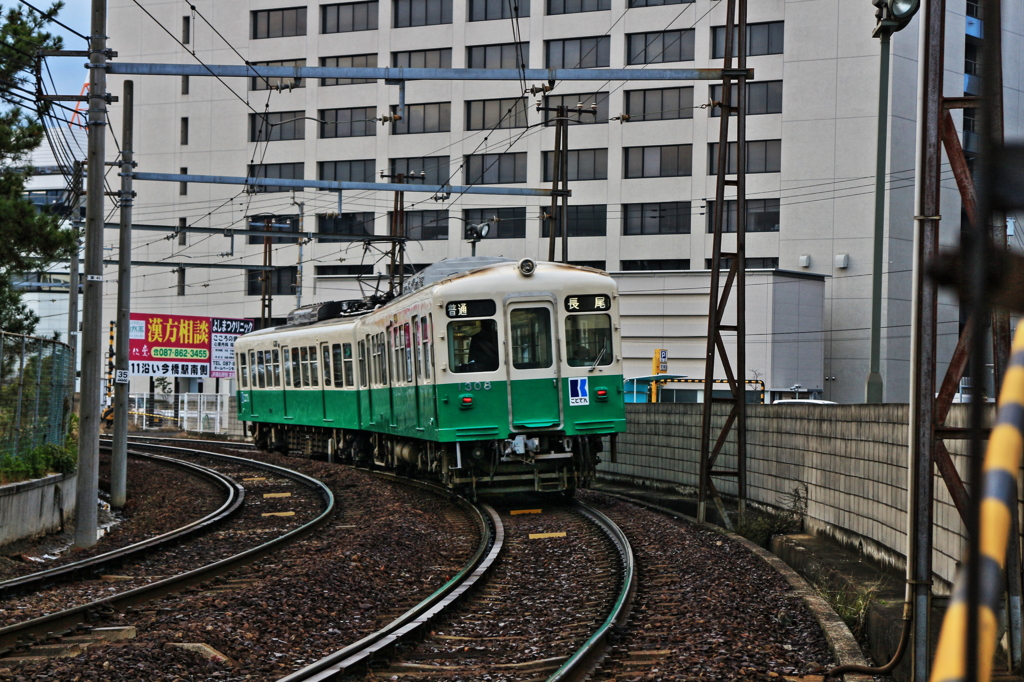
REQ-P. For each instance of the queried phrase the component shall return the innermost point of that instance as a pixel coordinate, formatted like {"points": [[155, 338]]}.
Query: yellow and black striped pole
{"points": [[110, 364], [999, 494]]}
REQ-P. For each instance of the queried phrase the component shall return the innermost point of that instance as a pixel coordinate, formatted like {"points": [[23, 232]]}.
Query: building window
{"points": [[575, 6], [656, 264], [763, 156], [503, 56], [425, 224], [657, 3], [282, 281], [283, 125], [764, 97], [485, 114], [667, 161], [667, 217], [750, 263], [283, 171], [348, 17], [182, 234], [764, 38], [186, 30], [596, 264], [354, 122], [662, 104], [184, 85], [422, 12], [183, 186], [486, 10], [279, 23], [583, 220], [762, 215], [578, 53], [261, 83], [422, 59], [362, 170], [435, 169], [584, 164], [511, 223], [346, 227], [493, 169], [660, 46], [181, 281], [349, 61], [278, 223], [342, 270], [183, 133], [423, 118], [573, 102]]}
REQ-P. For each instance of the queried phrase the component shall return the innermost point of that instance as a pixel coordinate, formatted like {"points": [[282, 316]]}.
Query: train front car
{"points": [[531, 378]]}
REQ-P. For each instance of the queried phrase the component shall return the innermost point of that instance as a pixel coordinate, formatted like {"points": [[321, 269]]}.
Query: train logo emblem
{"points": [[578, 393]]}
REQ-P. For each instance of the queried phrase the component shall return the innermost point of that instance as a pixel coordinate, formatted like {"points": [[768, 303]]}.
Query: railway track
{"points": [[67, 622]]}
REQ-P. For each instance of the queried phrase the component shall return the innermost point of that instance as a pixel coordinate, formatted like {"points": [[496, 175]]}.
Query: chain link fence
{"points": [[36, 392]]}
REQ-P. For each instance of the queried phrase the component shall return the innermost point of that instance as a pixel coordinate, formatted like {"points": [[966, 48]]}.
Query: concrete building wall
{"points": [[850, 461]]}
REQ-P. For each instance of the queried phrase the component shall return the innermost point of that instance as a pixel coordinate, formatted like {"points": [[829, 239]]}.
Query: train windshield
{"points": [[531, 338], [473, 346], [588, 340]]}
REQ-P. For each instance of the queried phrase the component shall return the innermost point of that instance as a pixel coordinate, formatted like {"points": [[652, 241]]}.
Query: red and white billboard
{"points": [[183, 345]]}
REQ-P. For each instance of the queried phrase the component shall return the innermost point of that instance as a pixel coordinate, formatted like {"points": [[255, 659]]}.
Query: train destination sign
{"points": [[588, 303], [480, 308], [183, 345]]}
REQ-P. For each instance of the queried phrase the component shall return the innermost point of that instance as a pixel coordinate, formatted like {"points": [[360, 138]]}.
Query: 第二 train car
{"points": [[486, 373]]}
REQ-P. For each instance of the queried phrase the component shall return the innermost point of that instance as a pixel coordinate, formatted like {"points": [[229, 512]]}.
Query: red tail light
{"points": [[602, 393], [467, 401]]}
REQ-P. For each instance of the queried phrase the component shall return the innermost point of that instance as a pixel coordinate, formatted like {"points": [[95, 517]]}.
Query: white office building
{"points": [[641, 169]]}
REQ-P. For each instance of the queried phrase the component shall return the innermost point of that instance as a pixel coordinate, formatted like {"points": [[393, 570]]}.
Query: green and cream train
{"points": [[489, 374]]}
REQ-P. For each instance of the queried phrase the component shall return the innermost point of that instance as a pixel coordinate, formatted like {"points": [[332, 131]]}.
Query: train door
{"points": [[325, 356], [413, 337], [286, 367], [368, 369], [253, 405], [393, 349], [244, 387], [534, 375], [430, 392]]}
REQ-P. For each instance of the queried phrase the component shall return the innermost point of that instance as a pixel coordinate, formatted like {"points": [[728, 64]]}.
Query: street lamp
{"points": [[892, 16]]}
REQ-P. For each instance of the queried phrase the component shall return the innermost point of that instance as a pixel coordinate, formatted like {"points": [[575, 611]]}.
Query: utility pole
{"points": [[266, 295], [73, 317], [302, 241], [559, 215], [556, 170], [397, 230], [92, 337], [119, 452]]}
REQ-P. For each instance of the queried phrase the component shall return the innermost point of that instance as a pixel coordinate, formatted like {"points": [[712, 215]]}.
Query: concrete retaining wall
{"points": [[849, 460], [37, 507]]}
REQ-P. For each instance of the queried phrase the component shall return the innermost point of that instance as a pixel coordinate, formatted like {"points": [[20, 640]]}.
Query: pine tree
{"points": [[29, 240]]}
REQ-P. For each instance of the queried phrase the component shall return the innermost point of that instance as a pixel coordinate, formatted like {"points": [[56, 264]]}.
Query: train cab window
{"points": [[277, 367], [243, 368], [588, 340], [305, 366], [314, 370], [261, 372], [326, 350], [296, 378], [339, 380], [287, 367], [362, 364], [428, 360], [531, 338], [350, 379], [473, 346], [252, 369]]}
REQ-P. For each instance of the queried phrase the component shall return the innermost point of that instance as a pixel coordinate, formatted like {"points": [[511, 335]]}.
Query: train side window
{"points": [[362, 364], [252, 369], [407, 345], [296, 376], [243, 369], [530, 345], [261, 372], [339, 379], [305, 366], [396, 353], [286, 366], [326, 350], [417, 359], [428, 347], [314, 370], [588, 340], [382, 357], [473, 346], [277, 367], [350, 379]]}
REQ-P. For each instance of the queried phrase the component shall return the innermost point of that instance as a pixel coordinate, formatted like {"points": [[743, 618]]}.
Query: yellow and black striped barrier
{"points": [[999, 494]]}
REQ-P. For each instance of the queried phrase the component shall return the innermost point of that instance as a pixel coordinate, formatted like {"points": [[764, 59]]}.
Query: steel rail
{"points": [[67, 620], [359, 655], [234, 498], [589, 656]]}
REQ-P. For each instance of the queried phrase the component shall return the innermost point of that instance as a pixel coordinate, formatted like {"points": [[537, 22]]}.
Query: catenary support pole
{"points": [[556, 167], [741, 265], [923, 332], [119, 451], [73, 322], [92, 303], [563, 213], [874, 390]]}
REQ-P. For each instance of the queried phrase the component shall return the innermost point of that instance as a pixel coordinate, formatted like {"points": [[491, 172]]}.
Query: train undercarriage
{"points": [[542, 462]]}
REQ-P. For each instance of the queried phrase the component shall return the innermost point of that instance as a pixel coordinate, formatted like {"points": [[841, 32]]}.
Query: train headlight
{"points": [[527, 267]]}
